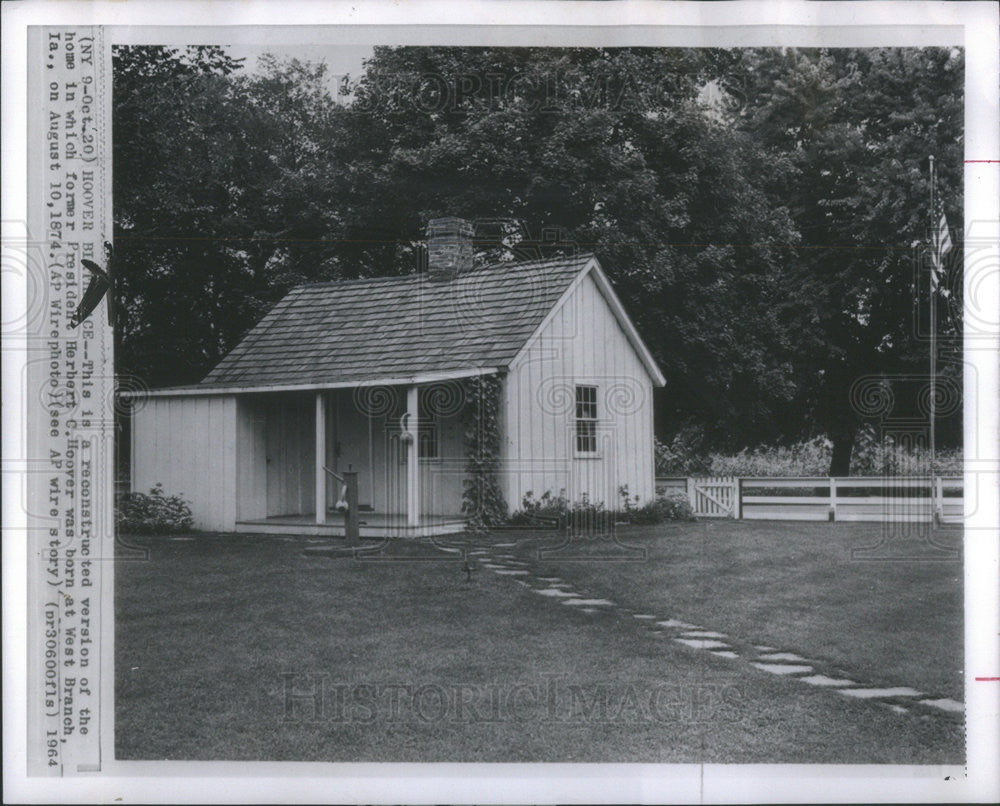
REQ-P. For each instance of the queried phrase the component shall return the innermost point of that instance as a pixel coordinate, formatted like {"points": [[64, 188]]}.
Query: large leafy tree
{"points": [[225, 197], [616, 149], [858, 127]]}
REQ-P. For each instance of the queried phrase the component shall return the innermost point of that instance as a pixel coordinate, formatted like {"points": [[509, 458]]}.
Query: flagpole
{"points": [[933, 406]]}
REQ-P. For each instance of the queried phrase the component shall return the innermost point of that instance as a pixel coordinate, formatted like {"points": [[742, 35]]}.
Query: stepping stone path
{"points": [[781, 668], [552, 592], [823, 680], [702, 643], [946, 704], [782, 656], [674, 623], [764, 657], [873, 693]]}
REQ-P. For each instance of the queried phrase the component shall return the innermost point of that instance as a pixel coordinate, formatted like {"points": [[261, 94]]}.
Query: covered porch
{"points": [[403, 442]]}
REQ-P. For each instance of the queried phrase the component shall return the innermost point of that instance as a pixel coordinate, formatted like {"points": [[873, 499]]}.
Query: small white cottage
{"points": [[367, 375]]}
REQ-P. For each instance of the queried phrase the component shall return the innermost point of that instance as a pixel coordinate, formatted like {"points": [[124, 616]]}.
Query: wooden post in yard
{"points": [[320, 458], [833, 499], [738, 504], [413, 457], [351, 528]]}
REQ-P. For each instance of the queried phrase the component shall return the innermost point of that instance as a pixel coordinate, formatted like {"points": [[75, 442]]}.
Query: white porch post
{"points": [[320, 458], [412, 458]]}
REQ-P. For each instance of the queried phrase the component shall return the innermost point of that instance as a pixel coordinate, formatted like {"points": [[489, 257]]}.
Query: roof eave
{"points": [[232, 389]]}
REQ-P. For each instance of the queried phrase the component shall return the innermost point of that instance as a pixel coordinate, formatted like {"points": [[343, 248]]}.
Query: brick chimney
{"points": [[449, 248]]}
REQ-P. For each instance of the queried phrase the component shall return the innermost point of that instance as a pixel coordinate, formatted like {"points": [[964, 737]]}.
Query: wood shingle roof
{"points": [[397, 327]]}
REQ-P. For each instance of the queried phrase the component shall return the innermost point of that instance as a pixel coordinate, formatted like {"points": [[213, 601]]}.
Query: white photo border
{"points": [[972, 25]]}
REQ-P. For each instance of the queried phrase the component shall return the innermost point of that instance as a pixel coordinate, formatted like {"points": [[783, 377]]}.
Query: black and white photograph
{"points": [[549, 404], [508, 400]]}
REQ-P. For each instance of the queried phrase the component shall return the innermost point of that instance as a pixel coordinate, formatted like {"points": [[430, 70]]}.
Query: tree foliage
{"points": [[756, 209], [857, 127]]}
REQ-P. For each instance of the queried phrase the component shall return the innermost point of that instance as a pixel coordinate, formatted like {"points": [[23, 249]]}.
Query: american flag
{"points": [[942, 246]]}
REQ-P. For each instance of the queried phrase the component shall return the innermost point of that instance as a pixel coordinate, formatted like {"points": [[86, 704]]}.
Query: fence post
{"points": [[691, 494], [738, 503], [833, 499], [937, 494]]}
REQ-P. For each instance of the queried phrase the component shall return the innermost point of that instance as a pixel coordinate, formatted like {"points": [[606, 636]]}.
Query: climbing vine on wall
{"points": [[483, 501]]}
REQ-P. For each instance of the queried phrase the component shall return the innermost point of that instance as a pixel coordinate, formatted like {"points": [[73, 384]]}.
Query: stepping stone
{"points": [[702, 643], [504, 545], [522, 583], [550, 579], [511, 572], [642, 615], [945, 704], [782, 656], [492, 566], [871, 693], [823, 680], [589, 610], [555, 592], [762, 648], [781, 668], [588, 602], [477, 552], [703, 634], [725, 653], [899, 709], [675, 624]]}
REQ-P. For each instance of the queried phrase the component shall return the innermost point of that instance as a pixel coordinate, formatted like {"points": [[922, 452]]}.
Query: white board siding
{"points": [[188, 444], [581, 344], [251, 452]]}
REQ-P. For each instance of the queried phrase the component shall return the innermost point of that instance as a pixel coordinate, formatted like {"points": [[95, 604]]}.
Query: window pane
{"points": [[586, 436]]}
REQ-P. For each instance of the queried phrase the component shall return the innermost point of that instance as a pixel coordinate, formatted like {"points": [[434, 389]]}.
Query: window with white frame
{"points": [[586, 420]]}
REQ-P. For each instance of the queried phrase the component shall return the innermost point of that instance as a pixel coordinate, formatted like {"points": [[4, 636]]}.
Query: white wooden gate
{"points": [[716, 497]]}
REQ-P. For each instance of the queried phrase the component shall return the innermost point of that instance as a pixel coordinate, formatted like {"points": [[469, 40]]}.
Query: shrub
{"points": [[670, 506], [586, 515], [808, 458], [557, 510], [156, 513], [545, 510], [872, 456]]}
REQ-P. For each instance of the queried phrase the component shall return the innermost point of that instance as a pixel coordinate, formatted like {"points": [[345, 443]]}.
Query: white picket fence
{"points": [[855, 498], [714, 497]]}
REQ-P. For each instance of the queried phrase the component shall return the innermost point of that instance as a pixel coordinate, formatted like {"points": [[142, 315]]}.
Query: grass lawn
{"points": [[791, 585], [410, 662]]}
